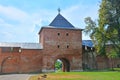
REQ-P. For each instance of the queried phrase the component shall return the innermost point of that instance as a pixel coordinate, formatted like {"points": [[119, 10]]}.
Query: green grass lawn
{"points": [[80, 76]]}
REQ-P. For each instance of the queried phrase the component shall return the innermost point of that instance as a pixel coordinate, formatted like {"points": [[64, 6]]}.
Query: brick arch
{"points": [[9, 65], [65, 64]]}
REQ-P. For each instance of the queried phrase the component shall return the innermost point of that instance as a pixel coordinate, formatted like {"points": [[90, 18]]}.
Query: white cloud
{"points": [[26, 30], [77, 13], [22, 28], [1, 20], [13, 13], [72, 9]]}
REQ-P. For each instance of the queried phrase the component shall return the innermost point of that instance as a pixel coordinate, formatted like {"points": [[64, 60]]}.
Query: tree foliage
{"points": [[108, 28], [58, 65], [96, 35], [109, 22]]}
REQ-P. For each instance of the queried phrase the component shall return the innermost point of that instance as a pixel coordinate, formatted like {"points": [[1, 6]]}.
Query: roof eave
{"points": [[52, 27]]}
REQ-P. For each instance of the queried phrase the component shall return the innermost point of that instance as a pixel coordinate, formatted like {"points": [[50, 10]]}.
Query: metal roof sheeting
{"points": [[22, 45], [88, 43], [61, 22]]}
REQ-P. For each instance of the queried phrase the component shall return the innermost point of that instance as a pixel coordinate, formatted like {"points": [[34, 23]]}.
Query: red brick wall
{"points": [[22, 62], [31, 60], [102, 62], [9, 62], [50, 38], [105, 62]]}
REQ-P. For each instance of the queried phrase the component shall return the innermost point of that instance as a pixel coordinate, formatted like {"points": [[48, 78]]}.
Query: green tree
{"points": [[109, 22], [97, 36], [107, 31], [108, 28], [58, 65], [91, 29]]}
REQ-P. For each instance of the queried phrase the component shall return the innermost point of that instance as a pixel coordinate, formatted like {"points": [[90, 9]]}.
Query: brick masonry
{"points": [[58, 43], [63, 44]]}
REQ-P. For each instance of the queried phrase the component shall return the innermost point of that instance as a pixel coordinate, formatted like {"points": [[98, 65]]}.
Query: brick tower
{"points": [[61, 40]]}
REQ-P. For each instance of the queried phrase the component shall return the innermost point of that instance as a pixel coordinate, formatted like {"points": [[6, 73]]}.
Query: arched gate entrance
{"points": [[65, 67]]}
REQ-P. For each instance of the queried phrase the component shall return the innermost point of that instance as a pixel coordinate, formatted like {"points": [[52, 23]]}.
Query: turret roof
{"points": [[61, 22]]}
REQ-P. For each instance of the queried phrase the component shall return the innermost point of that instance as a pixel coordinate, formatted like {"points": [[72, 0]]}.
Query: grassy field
{"points": [[80, 76]]}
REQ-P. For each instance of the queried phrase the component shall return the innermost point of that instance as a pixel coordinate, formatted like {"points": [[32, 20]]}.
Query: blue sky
{"points": [[21, 20]]}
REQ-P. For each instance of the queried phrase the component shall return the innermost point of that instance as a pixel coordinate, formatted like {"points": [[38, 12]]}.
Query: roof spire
{"points": [[59, 10]]}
